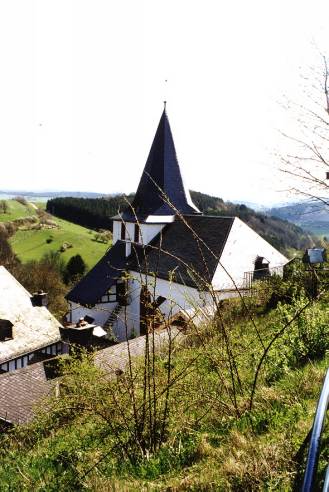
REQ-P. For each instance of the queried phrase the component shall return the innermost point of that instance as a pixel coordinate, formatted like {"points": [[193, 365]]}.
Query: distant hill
{"points": [[96, 213], [311, 216], [33, 195]]}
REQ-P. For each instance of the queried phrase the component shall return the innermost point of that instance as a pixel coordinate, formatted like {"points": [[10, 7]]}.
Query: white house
{"points": [[28, 331], [168, 258]]}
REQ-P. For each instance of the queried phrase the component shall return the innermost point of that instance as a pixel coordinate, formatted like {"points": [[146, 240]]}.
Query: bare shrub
{"points": [[21, 200]]}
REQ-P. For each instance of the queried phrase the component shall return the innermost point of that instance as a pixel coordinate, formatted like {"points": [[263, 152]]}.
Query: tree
{"points": [[8, 258], [3, 207], [306, 161], [75, 268], [46, 275]]}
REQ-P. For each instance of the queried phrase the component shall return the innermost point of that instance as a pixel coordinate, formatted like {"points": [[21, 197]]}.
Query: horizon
{"points": [[47, 192]]}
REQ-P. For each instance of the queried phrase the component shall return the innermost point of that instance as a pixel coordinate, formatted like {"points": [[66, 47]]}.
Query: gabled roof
{"points": [[99, 279], [190, 247], [161, 178], [186, 251], [22, 391], [33, 327]]}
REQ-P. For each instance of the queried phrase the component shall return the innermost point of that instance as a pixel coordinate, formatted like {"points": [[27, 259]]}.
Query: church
{"points": [[168, 261]]}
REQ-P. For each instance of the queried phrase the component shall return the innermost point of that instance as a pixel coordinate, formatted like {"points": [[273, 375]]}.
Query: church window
{"points": [[123, 231], [136, 233]]}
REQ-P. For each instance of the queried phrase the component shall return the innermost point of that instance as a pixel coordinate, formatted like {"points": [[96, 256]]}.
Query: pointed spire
{"points": [[162, 178]]}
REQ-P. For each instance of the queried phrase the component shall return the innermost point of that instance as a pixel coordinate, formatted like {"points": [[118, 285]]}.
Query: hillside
{"points": [[33, 233], [312, 216], [34, 244], [15, 210], [198, 426], [97, 213]]}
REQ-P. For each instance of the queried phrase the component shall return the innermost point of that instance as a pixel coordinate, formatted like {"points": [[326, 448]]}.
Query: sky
{"points": [[83, 83]]}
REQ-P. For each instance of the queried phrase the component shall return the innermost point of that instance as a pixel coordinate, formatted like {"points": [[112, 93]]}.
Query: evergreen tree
{"points": [[75, 268]]}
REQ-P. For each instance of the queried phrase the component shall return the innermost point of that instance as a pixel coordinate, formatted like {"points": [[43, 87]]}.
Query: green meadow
{"points": [[16, 211], [32, 244]]}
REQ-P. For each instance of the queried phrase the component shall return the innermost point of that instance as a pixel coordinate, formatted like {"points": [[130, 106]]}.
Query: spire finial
{"points": [[165, 94]]}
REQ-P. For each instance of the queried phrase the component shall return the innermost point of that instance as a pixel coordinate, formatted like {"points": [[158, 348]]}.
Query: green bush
{"points": [[307, 338], [75, 268]]}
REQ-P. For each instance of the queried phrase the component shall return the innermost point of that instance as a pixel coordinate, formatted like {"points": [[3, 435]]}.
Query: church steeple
{"points": [[162, 179]]}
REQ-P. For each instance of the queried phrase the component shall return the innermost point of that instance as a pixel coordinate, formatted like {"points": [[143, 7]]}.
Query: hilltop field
{"points": [[32, 241]]}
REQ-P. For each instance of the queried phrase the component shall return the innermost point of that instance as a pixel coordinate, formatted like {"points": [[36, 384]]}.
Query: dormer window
{"points": [[6, 330], [262, 268], [136, 233], [123, 231]]}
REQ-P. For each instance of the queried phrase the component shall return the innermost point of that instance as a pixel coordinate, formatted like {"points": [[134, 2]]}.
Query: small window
{"points": [[6, 330], [123, 231], [136, 233]]}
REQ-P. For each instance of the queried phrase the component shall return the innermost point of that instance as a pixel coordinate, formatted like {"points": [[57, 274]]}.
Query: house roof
{"points": [[33, 327], [189, 249], [21, 391], [161, 179], [99, 279]]}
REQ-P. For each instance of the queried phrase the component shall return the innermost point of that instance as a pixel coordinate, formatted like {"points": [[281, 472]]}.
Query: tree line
{"points": [[96, 213]]}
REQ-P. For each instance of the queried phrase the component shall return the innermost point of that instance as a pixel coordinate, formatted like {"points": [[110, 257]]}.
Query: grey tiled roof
{"points": [[188, 249], [100, 278], [22, 391]]}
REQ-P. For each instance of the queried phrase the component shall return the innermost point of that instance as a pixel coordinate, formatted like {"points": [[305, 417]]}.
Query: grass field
{"points": [[16, 211], [32, 245]]}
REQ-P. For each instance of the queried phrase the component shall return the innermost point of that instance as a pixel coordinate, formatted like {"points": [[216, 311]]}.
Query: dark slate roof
{"points": [[20, 390], [161, 177], [100, 278], [190, 247]]}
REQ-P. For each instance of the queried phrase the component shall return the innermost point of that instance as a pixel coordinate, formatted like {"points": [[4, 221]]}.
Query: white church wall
{"points": [[178, 297], [128, 318], [242, 248], [116, 231], [149, 231], [100, 312]]}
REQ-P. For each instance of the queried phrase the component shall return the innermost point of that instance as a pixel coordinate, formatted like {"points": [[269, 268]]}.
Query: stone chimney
{"points": [[77, 334], [39, 299]]}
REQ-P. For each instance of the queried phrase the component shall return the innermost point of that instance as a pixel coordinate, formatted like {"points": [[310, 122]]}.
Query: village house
{"points": [[167, 258], [23, 391], [28, 331]]}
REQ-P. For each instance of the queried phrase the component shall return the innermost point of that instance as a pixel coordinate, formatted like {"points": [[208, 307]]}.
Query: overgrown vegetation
{"points": [[195, 422]]}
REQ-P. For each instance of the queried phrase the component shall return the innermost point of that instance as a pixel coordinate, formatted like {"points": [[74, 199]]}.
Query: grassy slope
{"points": [[31, 245], [17, 211], [226, 453]]}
